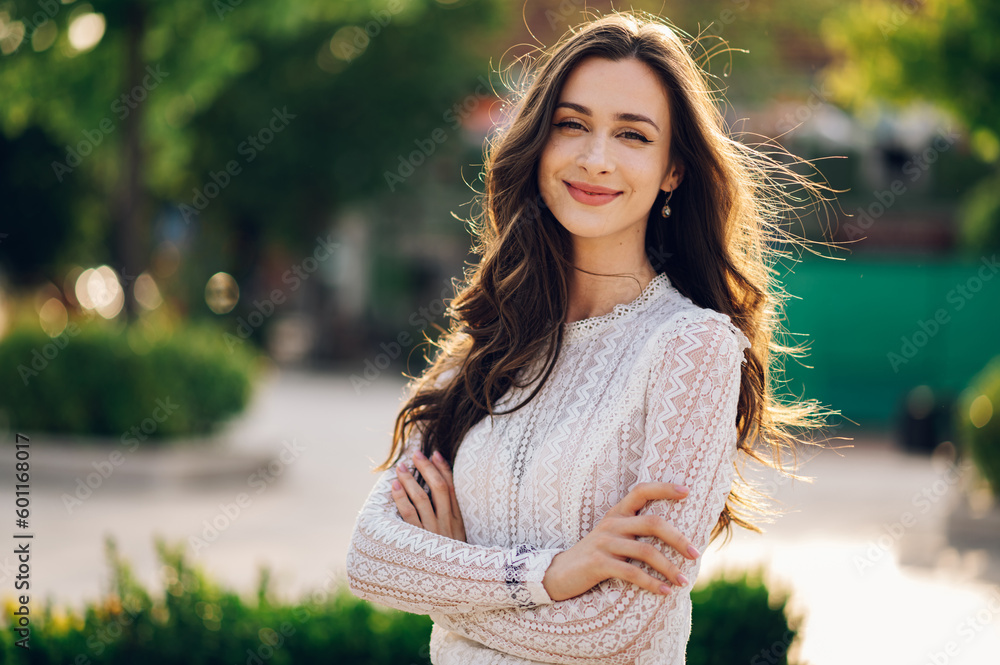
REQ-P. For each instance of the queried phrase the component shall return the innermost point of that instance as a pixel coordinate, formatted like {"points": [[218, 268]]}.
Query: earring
{"points": [[666, 206]]}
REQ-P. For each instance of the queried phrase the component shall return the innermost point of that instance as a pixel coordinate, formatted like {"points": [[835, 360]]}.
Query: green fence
{"points": [[879, 328]]}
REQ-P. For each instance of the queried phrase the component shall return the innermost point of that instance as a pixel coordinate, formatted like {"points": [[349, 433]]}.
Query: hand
{"points": [[443, 517], [602, 553]]}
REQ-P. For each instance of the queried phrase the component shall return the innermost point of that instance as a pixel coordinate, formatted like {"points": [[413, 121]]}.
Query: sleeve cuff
{"points": [[529, 570]]}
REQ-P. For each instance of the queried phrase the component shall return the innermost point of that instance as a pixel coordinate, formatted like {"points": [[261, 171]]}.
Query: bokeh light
{"points": [[53, 317], [44, 36], [221, 293], [11, 34], [147, 293], [981, 411], [348, 43], [85, 31], [98, 289]]}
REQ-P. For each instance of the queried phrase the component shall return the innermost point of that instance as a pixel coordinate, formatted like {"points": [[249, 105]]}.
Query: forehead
{"points": [[616, 85]]}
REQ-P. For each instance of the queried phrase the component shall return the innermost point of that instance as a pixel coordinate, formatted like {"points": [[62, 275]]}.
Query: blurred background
{"points": [[228, 228]]}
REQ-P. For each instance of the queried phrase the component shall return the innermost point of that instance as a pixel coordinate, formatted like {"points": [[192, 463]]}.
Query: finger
{"points": [[439, 492], [649, 554], [443, 468], [643, 493], [635, 575], [658, 527], [406, 509], [446, 473], [419, 499]]}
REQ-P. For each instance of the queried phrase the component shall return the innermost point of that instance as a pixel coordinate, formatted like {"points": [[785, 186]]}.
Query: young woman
{"points": [[610, 358]]}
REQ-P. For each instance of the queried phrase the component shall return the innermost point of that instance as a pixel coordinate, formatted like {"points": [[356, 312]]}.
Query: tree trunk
{"points": [[131, 231]]}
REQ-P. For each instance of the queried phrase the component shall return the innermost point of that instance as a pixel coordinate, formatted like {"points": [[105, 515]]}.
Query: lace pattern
{"points": [[647, 392]]}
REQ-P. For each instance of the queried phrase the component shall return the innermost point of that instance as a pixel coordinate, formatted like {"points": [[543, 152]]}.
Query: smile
{"points": [[600, 197]]}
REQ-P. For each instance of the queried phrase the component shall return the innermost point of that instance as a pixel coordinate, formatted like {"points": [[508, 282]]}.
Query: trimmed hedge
{"points": [[739, 620], [91, 380], [982, 443], [195, 622]]}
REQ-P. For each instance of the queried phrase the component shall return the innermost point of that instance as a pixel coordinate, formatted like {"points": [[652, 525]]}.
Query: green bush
{"points": [[979, 424], [104, 380], [740, 621], [193, 621]]}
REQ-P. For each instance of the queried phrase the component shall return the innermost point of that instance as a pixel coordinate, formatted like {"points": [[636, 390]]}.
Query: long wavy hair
{"points": [[734, 200]]}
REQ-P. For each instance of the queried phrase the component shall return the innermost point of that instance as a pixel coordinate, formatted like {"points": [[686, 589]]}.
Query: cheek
{"points": [[644, 174], [548, 166]]}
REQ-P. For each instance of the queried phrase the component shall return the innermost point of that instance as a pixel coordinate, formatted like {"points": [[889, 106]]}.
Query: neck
{"points": [[597, 295]]}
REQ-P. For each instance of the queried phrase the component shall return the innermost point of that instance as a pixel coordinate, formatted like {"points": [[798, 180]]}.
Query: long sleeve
{"points": [[394, 563], [690, 438]]}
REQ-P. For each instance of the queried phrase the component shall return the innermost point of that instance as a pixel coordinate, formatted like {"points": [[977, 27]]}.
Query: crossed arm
{"points": [[515, 600]]}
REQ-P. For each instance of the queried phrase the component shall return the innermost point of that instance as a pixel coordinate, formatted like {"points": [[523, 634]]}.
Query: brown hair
{"points": [[733, 200]]}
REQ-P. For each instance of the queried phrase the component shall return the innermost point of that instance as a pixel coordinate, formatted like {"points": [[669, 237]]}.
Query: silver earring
{"points": [[666, 204]]}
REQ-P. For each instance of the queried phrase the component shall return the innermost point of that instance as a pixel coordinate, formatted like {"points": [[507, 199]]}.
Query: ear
{"points": [[673, 178]]}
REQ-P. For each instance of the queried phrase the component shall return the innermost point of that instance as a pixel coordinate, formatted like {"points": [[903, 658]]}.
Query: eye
{"points": [[630, 134], [635, 136]]}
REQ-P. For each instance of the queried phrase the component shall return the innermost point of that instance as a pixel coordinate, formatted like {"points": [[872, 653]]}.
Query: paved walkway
{"points": [[881, 570]]}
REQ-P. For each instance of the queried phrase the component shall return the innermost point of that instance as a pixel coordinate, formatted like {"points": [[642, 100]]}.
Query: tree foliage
{"points": [[939, 51]]}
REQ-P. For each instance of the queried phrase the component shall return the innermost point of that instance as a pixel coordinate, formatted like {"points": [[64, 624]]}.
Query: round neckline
{"points": [[582, 328]]}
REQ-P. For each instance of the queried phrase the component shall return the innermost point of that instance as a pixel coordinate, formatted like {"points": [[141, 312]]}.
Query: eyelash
{"points": [[635, 136]]}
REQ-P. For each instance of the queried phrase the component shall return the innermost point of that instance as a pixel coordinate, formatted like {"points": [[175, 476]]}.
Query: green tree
{"points": [[940, 51], [149, 101]]}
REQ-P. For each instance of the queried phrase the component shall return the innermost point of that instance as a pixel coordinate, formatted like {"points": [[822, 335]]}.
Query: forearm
{"points": [[408, 568]]}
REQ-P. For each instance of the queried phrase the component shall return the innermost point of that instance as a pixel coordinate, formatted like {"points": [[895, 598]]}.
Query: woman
{"points": [[609, 357]]}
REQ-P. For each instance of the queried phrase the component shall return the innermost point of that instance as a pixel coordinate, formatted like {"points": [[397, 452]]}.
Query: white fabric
{"points": [[646, 392]]}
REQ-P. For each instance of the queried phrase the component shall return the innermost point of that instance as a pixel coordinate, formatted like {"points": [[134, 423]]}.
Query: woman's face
{"points": [[607, 155]]}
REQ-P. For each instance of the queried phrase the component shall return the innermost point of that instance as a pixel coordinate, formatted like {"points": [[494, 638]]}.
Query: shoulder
{"points": [[689, 329]]}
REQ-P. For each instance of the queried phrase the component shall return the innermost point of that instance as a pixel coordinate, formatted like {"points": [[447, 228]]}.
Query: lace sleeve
{"points": [[405, 567], [690, 435]]}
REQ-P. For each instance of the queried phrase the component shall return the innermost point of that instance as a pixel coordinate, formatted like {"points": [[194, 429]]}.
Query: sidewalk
{"points": [[865, 547]]}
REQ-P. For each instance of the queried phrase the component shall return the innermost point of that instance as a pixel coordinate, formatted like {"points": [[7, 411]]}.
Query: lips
{"points": [[591, 194]]}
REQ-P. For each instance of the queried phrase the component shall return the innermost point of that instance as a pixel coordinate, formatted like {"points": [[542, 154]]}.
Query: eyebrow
{"points": [[625, 117]]}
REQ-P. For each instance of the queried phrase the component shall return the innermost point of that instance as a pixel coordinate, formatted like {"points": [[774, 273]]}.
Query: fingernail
{"points": [[419, 455], [396, 485], [681, 579], [437, 456], [401, 468], [664, 589], [692, 551], [682, 489]]}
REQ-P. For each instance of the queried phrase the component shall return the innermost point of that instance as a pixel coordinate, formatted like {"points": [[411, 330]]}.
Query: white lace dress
{"points": [[646, 392]]}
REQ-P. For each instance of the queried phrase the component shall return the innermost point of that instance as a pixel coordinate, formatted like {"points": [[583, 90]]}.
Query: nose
{"points": [[594, 156]]}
